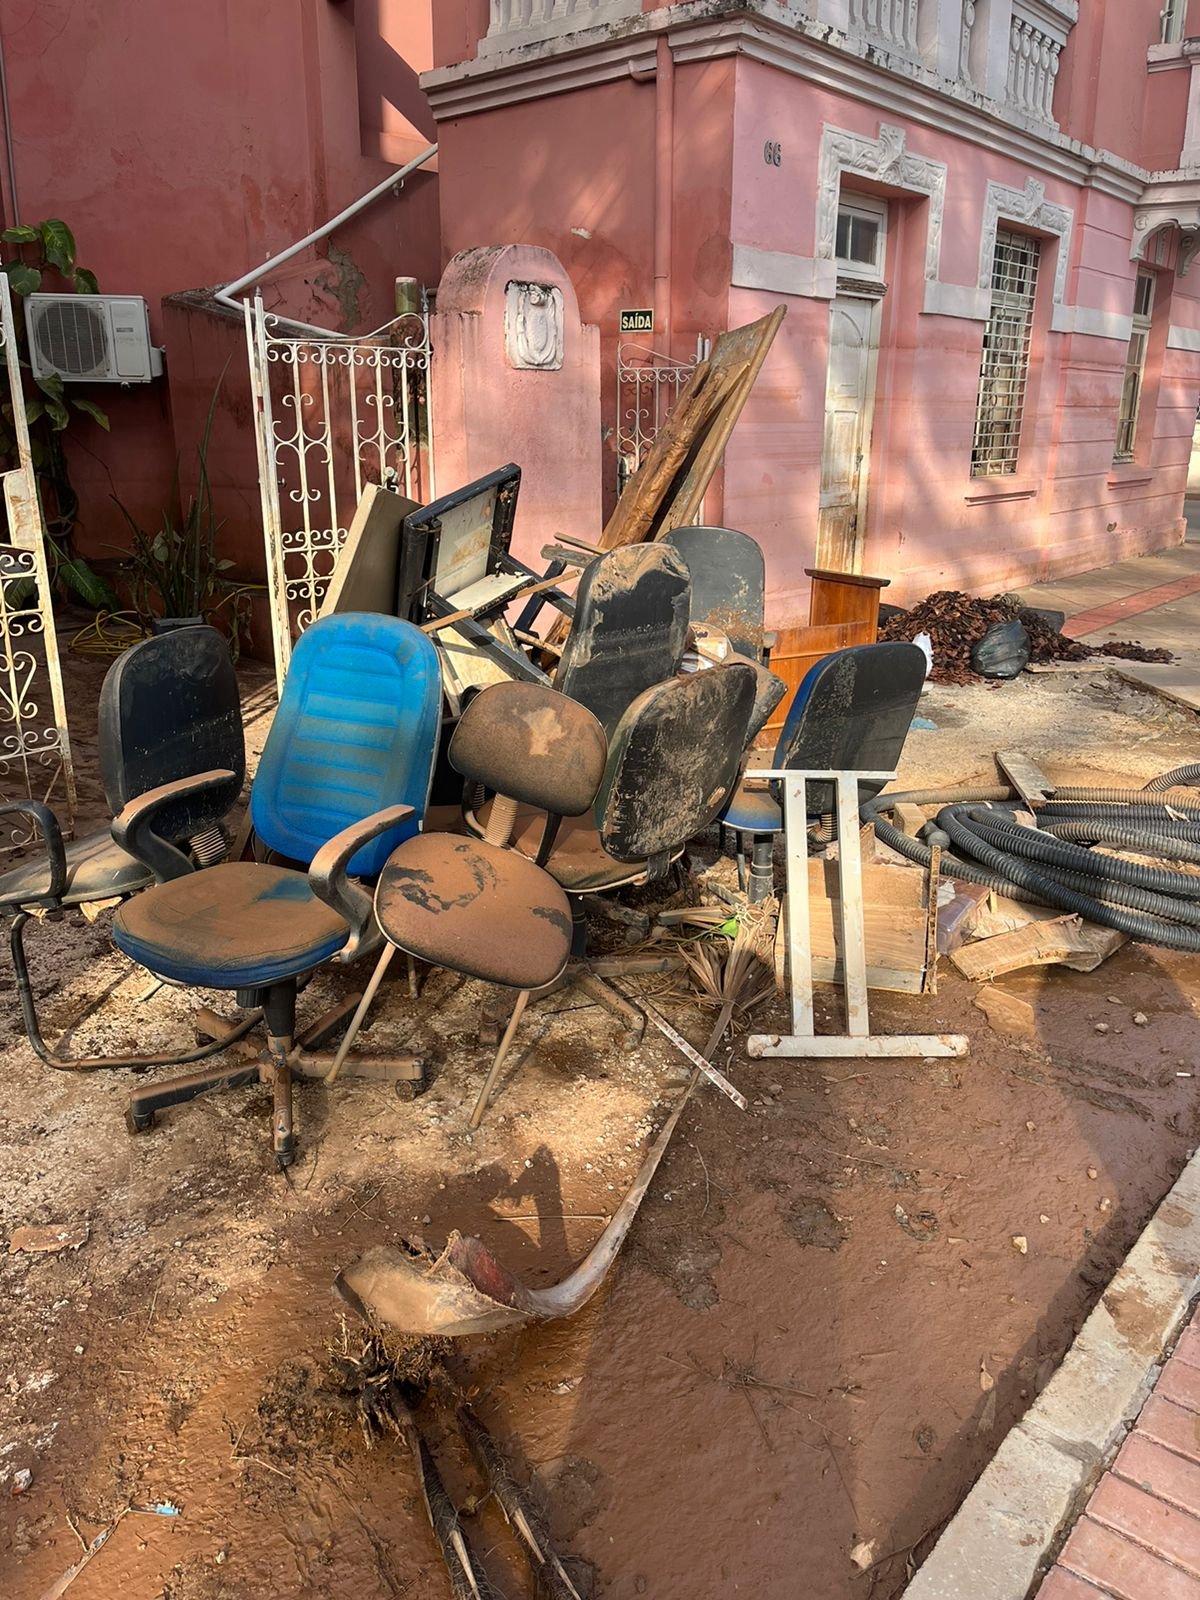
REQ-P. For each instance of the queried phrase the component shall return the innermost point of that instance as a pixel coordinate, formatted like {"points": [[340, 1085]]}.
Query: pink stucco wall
{"points": [[537, 173], [183, 144], [581, 166]]}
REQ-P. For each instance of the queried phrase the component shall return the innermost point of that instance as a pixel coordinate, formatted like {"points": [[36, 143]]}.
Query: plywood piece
{"points": [[364, 577], [895, 925]]}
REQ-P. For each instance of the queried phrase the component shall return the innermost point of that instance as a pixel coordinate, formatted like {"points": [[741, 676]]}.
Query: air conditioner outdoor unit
{"points": [[91, 338]]}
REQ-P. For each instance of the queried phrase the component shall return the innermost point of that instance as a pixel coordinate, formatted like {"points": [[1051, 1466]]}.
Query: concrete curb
{"points": [[998, 1544]]}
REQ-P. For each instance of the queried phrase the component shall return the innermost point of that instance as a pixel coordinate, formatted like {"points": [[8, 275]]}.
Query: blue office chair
{"points": [[344, 779], [851, 712]]}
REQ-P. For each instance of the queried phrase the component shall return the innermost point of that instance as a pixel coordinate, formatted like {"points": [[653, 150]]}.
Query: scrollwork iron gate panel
{"points": [[35, 747], [648, 385], [331, 414]]}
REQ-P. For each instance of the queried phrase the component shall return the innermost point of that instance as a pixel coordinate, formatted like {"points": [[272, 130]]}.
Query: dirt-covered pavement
{"points": [[817, 1334]]}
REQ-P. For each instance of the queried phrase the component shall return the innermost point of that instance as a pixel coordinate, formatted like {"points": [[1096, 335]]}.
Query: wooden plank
{"points": [[831, 1046], [1030, 782], [1065, 941]]}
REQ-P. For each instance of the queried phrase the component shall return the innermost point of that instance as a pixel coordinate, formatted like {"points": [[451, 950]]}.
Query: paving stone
{"points": [[1159, 1471], [1128, 1510], [1125, 1569], [1188, 1348], [1063, 1585], [1181, 1383], [1171, 1425]]}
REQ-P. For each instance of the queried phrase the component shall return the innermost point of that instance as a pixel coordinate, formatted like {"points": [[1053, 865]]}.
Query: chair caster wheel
{"points": [[632, 1040], [408, 1089], [285, 1157], [139, 1121]]}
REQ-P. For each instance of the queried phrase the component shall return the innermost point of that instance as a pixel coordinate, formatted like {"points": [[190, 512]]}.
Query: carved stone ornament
{"points": [[887, 161], [1030, 206], [533, 326]]}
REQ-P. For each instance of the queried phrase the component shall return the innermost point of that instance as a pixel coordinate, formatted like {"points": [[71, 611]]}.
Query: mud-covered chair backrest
{"points": [[629, 630], [674, 759], [169, 709], [356, 730], [852, 712], [532, 745], [728, 583]]}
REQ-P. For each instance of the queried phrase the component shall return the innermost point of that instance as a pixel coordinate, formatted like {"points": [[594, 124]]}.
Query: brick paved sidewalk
{"points": [[1139, 1535]]}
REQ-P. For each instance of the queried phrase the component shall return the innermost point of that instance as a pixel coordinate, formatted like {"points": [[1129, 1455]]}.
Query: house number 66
{"points": [[773, 153]]}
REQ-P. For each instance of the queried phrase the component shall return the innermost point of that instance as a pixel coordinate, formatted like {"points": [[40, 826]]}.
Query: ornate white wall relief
{"points": [[886, 160], [1030, 207], [533, 326]]}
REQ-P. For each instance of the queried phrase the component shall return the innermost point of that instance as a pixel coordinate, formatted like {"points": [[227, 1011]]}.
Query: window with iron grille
{"points": [[1135, 367], [1004, 375]]}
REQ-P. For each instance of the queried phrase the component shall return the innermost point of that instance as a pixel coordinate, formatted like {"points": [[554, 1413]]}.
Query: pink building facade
{"points": [[980, 214]]}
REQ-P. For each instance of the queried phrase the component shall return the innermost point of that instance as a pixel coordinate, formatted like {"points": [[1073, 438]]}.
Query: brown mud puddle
{"points": [[785, 1364]]}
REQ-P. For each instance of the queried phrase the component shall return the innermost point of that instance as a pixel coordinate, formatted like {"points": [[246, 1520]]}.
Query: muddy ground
{"points": [[794, 1357]]}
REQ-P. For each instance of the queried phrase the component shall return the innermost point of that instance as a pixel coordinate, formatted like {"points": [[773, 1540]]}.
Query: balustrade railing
{"points": [[1033, 59], [553, 16], [893, 22]]}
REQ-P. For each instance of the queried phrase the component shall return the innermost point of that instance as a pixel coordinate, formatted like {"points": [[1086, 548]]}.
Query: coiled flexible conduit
{"points": [[982, 843]]}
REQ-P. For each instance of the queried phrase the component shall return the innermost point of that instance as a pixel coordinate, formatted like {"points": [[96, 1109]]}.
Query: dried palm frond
{"points": [[735, 974]]}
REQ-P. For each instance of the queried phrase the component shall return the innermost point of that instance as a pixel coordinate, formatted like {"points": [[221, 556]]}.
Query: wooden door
{"points": [[849, 397]]}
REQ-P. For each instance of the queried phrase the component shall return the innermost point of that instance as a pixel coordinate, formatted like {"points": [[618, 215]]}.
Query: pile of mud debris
{"points": [[956, 623]]}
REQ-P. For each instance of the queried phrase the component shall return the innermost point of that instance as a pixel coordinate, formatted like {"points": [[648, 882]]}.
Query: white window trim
{"points": [[1141, 324], [864, 205]]}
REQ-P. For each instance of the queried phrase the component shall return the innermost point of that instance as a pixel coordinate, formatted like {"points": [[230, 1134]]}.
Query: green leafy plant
{"points": [[37, 250], [175, 570]]}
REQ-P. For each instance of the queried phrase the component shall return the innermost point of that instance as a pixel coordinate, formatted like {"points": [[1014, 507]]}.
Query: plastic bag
{"points": [[925, 644], [1003, 652]]}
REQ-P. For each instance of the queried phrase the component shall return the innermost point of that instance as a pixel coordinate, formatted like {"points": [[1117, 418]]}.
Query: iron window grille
{"points": [[1004, 374], [1135, 367]]}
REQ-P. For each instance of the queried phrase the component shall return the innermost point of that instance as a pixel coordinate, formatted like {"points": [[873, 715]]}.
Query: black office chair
{"points": [[851, 712], [169, 709]]}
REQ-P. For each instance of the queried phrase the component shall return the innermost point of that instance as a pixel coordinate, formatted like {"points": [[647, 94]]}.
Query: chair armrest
{"points": [[51, 831], [133, 828], [331, 882]]}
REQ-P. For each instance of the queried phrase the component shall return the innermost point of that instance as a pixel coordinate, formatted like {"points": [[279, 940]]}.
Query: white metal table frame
{"points": [[858, 1040]]}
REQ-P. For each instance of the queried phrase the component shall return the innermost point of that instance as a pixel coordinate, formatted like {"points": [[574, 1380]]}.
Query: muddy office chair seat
{"points": [[477, 906], [169, 711], [673, 760], [852, 710], [344, 777]]}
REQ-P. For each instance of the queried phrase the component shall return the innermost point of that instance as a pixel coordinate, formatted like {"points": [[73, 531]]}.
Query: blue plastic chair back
{"points": [[356, 730], [851, 712]]}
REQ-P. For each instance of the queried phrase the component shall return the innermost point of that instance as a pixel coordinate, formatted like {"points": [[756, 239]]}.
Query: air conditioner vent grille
{"points": [[72, 337]]}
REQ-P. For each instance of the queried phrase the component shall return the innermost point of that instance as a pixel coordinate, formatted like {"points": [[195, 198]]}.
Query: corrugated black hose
{"points": [[982, 844]]}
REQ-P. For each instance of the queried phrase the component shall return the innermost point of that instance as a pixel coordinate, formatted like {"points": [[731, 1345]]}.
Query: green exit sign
{"points": [[637, 321]]}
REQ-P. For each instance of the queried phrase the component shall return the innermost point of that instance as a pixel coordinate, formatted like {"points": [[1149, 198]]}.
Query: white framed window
{"points": [[1135, 366], [1004, 373], [861, 239], [1172, 18]]}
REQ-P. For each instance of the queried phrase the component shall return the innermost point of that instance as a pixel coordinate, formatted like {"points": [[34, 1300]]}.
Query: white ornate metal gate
{"points": [[331, 414], [648, 385], [35, 748]]}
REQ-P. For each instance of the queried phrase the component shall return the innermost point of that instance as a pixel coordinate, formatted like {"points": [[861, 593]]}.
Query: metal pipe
{"points": [[225, 295], [664, 184], [15, 219]]}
